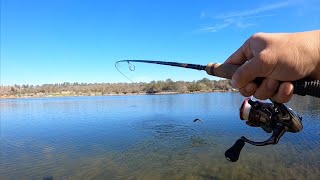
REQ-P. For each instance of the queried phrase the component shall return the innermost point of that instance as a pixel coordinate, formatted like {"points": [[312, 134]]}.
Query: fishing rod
{"points": [[302, 87], [271, 117]]}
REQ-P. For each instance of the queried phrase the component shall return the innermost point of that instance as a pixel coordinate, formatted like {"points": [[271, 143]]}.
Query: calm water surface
{"points": [[149, 137]]}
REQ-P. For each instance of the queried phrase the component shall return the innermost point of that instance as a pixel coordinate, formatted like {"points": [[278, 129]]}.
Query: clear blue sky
{"points": [[55, 41]]}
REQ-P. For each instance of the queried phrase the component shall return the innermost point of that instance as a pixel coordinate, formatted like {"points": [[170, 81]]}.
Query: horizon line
{"points": [[6, 85]]}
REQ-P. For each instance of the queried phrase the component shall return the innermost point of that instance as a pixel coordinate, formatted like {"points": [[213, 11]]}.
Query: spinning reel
{"points": [[271, 117]]}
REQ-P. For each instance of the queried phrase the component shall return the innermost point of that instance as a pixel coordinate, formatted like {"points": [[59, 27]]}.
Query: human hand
{"points": [[276, 57]]}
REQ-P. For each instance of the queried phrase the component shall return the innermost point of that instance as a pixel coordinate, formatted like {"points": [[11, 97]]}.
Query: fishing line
{"points": [[131, 68]]}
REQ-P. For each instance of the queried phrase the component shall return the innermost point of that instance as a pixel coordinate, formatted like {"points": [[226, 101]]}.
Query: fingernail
{"points": [[288, 90]]}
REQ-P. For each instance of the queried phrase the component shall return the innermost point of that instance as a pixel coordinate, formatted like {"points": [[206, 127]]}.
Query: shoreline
{"points": [[35, 96]]}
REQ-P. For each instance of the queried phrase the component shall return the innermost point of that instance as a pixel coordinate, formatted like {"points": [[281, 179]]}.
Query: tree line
{"points": [[66, 88]]}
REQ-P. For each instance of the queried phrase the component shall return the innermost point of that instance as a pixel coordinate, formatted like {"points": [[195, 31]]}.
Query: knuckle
{"points": [[264, 56], [257, 36], [267, 61]]}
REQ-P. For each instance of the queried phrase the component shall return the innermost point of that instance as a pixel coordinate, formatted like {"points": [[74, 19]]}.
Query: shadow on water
{"points": [[149, 137]]}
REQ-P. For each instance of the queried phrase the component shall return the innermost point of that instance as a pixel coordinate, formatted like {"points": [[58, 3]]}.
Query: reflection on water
{"points": [[149, 137]]}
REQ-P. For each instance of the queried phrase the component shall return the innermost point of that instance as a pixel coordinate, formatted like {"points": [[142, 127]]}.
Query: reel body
{"points": [[271, 117]]}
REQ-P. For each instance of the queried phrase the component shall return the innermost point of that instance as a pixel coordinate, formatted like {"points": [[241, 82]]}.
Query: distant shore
{"points": [[100, 94], [67, 89]]}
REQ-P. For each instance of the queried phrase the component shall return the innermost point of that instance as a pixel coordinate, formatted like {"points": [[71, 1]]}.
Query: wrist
{"points": [[312, 38], [316, 73]]}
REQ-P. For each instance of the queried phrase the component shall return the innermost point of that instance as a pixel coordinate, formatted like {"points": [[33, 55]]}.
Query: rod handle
{"points": [[221, 70]]}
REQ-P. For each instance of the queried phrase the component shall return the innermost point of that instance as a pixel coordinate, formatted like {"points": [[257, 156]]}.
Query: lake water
{"points": [[149, 137]]}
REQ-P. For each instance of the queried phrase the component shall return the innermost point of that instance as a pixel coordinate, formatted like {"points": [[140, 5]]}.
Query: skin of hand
{"points": [[276, 57]]}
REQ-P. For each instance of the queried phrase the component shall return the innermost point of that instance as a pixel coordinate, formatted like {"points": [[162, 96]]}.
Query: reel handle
{"points": [[274, 139], [233, 153], [302, 87]]}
